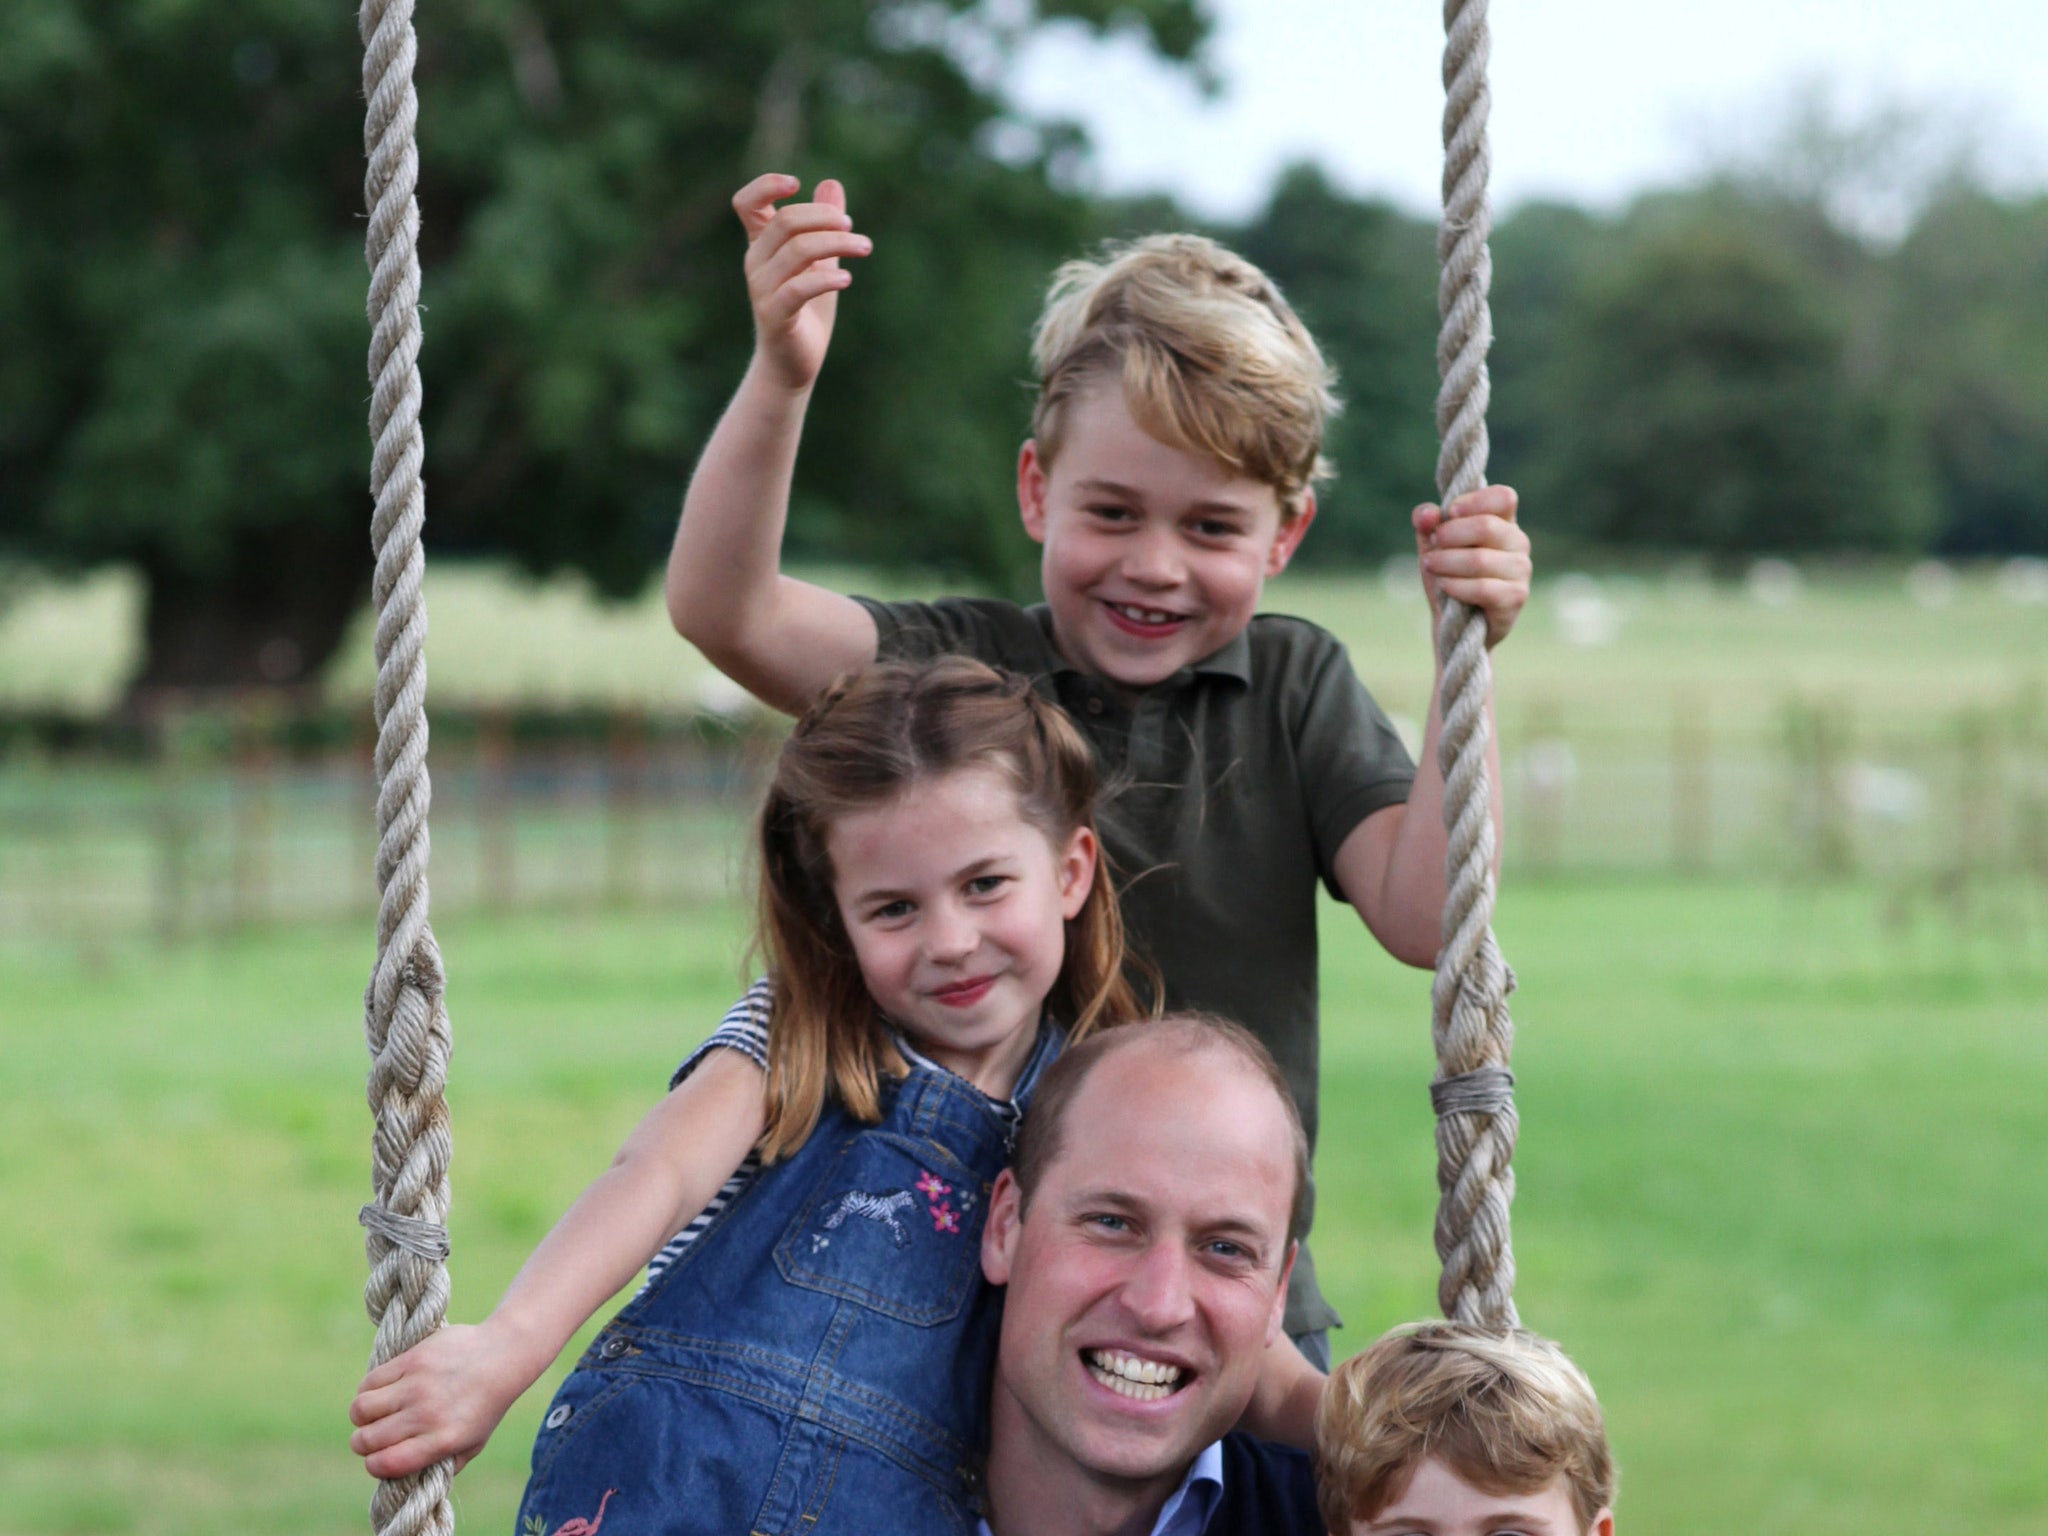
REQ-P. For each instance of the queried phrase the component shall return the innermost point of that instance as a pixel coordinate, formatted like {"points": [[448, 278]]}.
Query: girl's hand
{"points": [[1475, 552], [442, 1397], [793, 272]]}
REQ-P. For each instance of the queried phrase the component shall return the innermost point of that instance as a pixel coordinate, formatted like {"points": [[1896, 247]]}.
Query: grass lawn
{"points": [[1784, 1191], [1613, 660]]}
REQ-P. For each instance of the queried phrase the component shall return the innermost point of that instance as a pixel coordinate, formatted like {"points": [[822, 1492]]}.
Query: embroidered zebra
{"points": [[880, 1208]]}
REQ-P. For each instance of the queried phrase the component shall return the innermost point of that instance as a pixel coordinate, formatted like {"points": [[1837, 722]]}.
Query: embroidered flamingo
{"points": [[582, 1527]]}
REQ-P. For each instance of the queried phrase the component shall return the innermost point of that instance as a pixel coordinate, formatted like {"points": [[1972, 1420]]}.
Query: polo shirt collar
{"points": [[1231, 659]]}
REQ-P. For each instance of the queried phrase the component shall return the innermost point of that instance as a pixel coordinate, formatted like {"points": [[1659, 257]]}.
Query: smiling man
{"points": [[1145, 1233]]}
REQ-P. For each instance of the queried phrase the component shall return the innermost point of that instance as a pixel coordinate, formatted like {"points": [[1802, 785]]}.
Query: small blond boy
{"points": [[1447, 1430], [1171, 471]]}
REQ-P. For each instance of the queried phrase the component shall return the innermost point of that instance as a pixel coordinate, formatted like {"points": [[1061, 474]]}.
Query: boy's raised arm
{"points": [[781, 639], [1391, 867]]}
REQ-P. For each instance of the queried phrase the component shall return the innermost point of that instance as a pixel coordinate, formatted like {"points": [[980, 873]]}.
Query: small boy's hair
{"points": [[1506, 1412], [1210, 357]]}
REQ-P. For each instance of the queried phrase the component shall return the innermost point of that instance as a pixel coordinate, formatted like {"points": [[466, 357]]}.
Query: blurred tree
{"points": [[1543, 255], [1363, 277], [181, 286], [1704, 400], [1972, 318]]}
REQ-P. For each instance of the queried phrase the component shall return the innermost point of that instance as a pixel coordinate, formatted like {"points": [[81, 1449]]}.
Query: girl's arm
{"points": [[781, 639], [445, 1396]]}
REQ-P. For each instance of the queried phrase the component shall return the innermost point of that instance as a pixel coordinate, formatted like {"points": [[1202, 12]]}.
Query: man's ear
{"points": [[999, 1232], [1274, 1324], [1031, 489], [1292, 532]]}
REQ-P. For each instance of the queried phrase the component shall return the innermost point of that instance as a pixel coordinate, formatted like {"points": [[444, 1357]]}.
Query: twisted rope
{"points": [[404, 1017], [1476, 1121]]}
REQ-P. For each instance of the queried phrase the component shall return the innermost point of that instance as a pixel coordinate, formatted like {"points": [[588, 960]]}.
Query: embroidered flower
{"points": [[945, 1219], [932, 1185]]}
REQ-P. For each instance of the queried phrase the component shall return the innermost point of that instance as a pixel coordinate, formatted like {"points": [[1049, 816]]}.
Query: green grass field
{"points": [[1784, 1191], [1614, 658]]}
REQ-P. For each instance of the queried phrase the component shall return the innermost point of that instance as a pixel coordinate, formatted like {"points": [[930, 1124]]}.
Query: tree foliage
{"points": [[181, 331], [1704, 400], [1363, 277], [1972, 307], [1784, 361]]}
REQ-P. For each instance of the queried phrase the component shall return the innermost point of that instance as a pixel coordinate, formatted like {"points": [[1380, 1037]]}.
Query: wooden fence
{"points": [[211, 818]]}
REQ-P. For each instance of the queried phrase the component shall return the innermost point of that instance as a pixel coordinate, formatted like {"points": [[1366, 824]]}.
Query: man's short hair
{"points": [[1039, 1140], [1506, 1412], [1209, 356]]}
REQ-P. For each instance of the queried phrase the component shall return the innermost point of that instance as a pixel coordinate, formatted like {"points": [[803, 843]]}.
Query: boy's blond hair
{"points": [[1210, 356], [1506, 1412]]}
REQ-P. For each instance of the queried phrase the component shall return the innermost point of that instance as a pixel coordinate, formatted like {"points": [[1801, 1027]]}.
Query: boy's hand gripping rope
{"points": [[1474, 1091], [404, 1016]]}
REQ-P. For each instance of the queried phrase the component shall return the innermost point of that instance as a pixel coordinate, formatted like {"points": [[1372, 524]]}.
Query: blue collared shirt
{"points": [[1187, 1512]]}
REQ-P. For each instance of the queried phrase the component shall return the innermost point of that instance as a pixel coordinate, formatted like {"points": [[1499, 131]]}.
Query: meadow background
{"points": [[1774, 728], [1783, 1175]]}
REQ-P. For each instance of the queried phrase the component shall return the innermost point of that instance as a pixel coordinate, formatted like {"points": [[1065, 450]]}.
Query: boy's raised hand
{"points": [[1476, 552], [793, 272]]}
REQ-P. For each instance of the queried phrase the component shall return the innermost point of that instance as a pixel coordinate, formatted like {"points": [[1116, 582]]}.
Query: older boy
{"points": [[1447, 1429], [1171, 470]]}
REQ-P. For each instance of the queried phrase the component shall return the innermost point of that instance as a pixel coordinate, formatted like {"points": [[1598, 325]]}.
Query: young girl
{"points": [[815, 1356]]}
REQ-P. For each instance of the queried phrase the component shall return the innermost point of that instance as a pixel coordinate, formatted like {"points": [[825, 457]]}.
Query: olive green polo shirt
{"points": [[1229, 789]]}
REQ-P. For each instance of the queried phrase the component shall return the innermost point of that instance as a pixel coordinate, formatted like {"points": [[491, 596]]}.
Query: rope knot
{"points": [[1482, 1091], [428, 1239]]}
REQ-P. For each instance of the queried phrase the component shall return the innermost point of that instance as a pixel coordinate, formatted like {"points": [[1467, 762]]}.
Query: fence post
{"points": [[362, 778], [1976, 818], [1692, 827], [625, 799], [251, 812], [1817, 739], [173, 826], [1548, 768], [496, 832]]}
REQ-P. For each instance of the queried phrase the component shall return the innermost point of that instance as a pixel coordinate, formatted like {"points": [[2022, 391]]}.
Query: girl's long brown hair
{"points": [[871, 738]]}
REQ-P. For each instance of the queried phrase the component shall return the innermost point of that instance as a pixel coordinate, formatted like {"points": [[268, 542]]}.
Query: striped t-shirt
{"points": [[745, 1029]]}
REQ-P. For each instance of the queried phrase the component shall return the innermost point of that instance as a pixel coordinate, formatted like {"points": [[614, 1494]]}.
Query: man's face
{"points": [[1155, 557], [1149, 1273]]}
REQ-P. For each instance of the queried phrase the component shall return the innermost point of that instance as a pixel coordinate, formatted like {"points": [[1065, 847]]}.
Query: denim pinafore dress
{"points": [[818, 1360]]}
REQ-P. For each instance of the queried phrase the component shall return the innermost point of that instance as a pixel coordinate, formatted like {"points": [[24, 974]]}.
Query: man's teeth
{"points": [[1145, 1380], [1145, 615]]}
